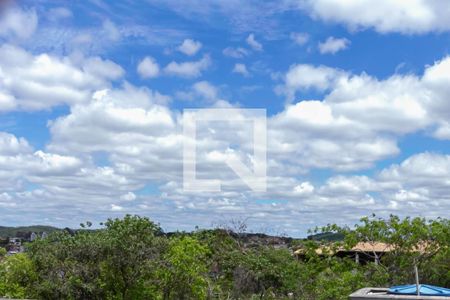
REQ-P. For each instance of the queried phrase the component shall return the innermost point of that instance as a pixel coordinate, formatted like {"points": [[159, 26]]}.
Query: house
{"points": [[362, 252], [14, 246], [15, 241]]}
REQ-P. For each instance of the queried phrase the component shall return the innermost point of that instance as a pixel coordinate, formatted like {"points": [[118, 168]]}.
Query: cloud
{"points": [[115, 207], [190, 47], [249, 17], [10, 144], [203, 92], [98, 36], [19, 162], [111, 31], [189, 69], [311, 135], [417, 184], [140, 151], [300, 38], [355, 121], [423, 169], [252, 42], [147, 141], [333, 45], [17, 23], [59, 13], [238, 52], [340, 122], [410, 17], [105, 69], [350, 96], [130, 111], [241, 69], [353, 185], [304, 77], [130, 196], [148, 68], [304, 188], [67, 80], [205, 89]]}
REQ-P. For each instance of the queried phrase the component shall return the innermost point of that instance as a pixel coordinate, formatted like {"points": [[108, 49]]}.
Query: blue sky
{"points": [[92, 96]]}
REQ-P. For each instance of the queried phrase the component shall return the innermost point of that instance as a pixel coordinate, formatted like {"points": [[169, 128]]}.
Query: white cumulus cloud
{"points": [[34, 82], [240, 68], [17, 23], [190, 47], [333, 45], [238, 52], [409, 17], [252, 42], [188, 69], [300, 38], [304, 76], [148, 67]]}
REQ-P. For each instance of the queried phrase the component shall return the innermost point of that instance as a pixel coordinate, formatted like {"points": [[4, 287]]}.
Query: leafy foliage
{"points": [[17, 276], [184, 275], [131, 258]]}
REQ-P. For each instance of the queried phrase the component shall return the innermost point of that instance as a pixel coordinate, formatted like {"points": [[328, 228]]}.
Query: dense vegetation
{"points": [[24, 230], [132, 258]]}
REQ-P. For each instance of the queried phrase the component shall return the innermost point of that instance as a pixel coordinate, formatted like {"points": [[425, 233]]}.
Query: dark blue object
{"points": [[425, 290]]}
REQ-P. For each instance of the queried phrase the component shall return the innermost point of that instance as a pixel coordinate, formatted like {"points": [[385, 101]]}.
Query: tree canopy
{"points": [[132, 258]]}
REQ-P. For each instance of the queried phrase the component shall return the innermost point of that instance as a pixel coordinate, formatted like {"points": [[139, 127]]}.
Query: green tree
{"points": [[414, 243], [116, 262], [17, 276], [184, 274], [68, 265], [133, 249], [131, 258]]}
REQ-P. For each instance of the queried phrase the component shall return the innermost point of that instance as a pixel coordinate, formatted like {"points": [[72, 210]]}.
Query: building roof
{"points": [[361, 247], [371, 247]]}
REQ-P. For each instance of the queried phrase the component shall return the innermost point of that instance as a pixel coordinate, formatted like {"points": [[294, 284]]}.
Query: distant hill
{"points": [[24, 230], [327, 236]]}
